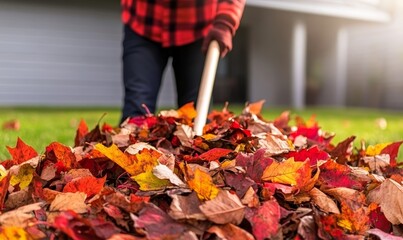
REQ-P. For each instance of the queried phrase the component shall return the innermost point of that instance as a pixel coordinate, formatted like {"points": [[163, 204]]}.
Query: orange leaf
{"points": [[21, 152], [144, 160], [82, 130], [187, 112], [62, 155], [256, 107], [201, 182], [89, 185], [288, 172]]}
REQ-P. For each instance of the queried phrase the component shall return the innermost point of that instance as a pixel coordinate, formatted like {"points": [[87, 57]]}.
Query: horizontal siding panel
{"points": [[65, 53]]}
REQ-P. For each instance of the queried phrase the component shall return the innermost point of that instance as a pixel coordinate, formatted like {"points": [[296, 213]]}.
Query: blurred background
{"points": [[294, 53]]}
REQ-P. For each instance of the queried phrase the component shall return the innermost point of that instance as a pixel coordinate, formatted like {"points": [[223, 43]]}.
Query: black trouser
{"points": [[144, 62]]}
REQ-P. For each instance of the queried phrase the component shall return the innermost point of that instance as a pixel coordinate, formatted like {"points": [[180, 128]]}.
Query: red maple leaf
{"points": [[314, 154], [22, 152], [82, 130]]}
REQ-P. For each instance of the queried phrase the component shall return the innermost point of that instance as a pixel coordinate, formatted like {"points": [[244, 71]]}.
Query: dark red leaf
{"points": [[238, 182], [157, 224], [392, 150], [254, 164], [265, 220], [341, 152], [79, 228], [378, 220]]}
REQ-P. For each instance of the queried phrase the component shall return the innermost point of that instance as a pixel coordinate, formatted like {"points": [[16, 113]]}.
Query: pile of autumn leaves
{"points": [[244, 178]]}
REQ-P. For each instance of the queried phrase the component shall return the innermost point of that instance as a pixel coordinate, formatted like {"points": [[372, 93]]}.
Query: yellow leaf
{"points": [[286, 172], [202, 183], [209, 136], [376, 149], [24, 176], [149, 182], [144, 160], [13, 232], [3, 172]]}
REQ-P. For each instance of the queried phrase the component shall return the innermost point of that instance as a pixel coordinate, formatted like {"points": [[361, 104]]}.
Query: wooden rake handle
{"points": [[206, 86]]}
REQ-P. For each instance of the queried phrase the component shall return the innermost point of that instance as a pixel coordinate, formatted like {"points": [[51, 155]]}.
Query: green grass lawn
{"points": [[41, 126]]}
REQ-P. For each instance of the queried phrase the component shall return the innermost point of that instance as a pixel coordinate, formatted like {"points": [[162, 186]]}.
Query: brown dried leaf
{"points": [[230, 231], [19, 216], [69, 201], [389, 196], [324, 202], [186, 207], [225, 208]]}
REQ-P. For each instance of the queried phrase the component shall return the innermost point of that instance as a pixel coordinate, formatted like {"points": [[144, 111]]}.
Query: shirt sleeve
{"points": [[229, 13]]}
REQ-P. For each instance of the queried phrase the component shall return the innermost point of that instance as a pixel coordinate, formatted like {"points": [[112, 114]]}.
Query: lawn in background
{"points": [[41, 126]]}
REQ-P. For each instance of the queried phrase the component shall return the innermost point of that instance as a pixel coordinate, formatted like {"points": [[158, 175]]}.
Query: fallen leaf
{"points": [[81, 131], [392, 150], [13, 125], [89, 185], [378, 219], [383, 235], [133, 149], [324, 202], [187, 112], [202, 183], [273, 144], [4, 184], [61, 155], [185, 135], [13, 232], [287, 172], [251, 199], [20, 216], [341, 153], [163, 172], [374, 150], [377, 163], [186, 207], [157, 224], [149, 182], [238, 182], [214, 154], [24, 176], [254, 164], [389, 196], [144, 160], [230, 231], [265, 220], [18, 199], [307, 228], [76, 227], [314, 154], [22, 152], [333, 175], [69, 201], [225, 208]]}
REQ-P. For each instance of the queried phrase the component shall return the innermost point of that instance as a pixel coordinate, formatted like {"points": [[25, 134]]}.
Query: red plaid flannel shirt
{"points": [[179, 22]]}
